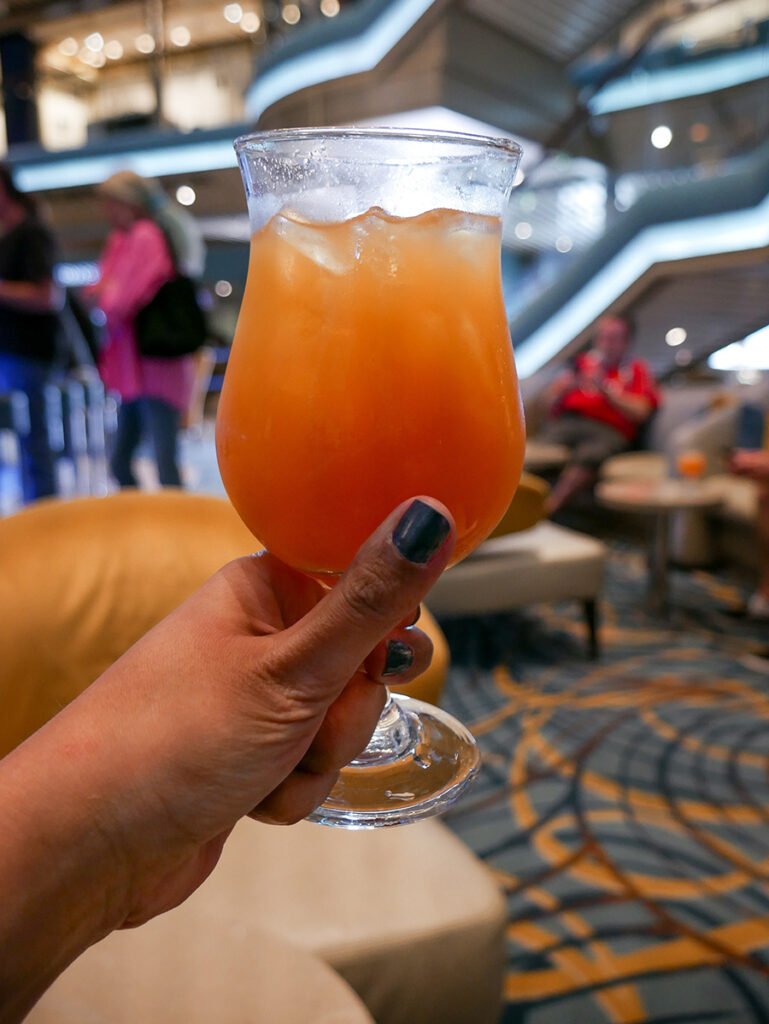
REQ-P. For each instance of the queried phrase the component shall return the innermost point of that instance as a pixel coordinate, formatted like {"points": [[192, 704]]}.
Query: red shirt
{"points": [[635, 379]]}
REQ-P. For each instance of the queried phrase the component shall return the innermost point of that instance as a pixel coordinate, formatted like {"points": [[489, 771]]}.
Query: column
{"points": [[17, 62]]}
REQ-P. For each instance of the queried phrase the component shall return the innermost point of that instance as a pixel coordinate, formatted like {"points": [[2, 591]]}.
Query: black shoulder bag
{"points": [[172, 324]]}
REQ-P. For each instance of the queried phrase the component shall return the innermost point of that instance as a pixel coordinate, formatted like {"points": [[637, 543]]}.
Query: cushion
{"points": [[546, 563]]}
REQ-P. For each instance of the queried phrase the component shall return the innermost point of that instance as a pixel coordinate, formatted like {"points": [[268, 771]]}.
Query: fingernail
{"points": [[399, 657], [420, 532]]}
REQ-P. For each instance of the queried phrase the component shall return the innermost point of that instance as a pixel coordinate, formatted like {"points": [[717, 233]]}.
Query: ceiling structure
{"points": [[561, 30], [714, 301], [683, 311]]}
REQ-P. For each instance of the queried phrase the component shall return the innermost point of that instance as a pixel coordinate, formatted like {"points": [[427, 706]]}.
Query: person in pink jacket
{"points": [[151, 239]]}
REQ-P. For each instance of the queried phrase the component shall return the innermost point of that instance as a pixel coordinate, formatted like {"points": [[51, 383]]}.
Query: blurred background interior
{"points": [[622, 808]]}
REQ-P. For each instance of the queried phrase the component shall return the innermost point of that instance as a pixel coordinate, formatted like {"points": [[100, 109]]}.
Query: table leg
{"points": [[657, 597]]}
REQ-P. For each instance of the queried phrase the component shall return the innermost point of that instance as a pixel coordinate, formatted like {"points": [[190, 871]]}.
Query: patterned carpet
{"points": [[623, 804]]}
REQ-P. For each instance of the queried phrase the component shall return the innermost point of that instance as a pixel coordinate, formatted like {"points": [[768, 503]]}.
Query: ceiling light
{"points": [[223, 289], [520, 177], [145, 43], [523, 230], [185, 195], [69, 46], [661, 137], [330, 8], [291, 14], [180, 35], [563, 243], [54, 60], [93, 60], [699, 132], [113, 50], [251, 22], [233, 13], [683, 358], [749, 377], [675, 336], [95, 42]]}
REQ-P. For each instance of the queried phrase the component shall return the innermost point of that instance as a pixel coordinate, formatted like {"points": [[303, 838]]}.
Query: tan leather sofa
{"points": [[407, 917]]}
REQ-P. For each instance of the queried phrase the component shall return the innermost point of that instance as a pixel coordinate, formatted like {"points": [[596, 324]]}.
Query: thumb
{"points": [[388, 578]]}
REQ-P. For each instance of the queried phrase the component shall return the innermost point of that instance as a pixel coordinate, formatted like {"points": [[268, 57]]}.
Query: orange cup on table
{"points": [[691, 465]]}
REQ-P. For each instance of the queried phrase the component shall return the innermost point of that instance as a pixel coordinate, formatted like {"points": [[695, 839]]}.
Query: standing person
{"points": [[152, 239], [29, 304], [597, 409]]}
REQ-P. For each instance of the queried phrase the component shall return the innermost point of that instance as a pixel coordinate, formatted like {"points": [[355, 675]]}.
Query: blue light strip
{"points": [[186, 158], [76, 275], [339, 59], [662, 243], [704, 76]]}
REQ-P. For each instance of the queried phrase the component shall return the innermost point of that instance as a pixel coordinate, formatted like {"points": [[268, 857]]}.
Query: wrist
{"points": [[64, 886]]}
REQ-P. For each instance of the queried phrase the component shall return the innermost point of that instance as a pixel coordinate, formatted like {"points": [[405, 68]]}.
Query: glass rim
{"points": [[503, 145]]}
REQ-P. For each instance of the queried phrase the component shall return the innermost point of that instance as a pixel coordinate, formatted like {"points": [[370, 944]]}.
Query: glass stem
{"points": [[393, 737]]}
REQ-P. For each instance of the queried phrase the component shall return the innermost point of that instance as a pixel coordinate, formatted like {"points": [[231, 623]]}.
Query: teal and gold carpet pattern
{"points": [[623, 804]]}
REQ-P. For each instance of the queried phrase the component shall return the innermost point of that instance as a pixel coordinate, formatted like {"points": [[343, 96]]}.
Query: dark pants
{"points": [[149, 418], [37, 462]]}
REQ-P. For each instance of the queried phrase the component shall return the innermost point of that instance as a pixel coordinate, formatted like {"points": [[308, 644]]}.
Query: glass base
{"points": [[416, 769]]}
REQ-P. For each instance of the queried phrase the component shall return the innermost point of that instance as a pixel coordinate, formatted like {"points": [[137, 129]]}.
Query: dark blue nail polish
{"points": [[420, 532], [399, 657]]}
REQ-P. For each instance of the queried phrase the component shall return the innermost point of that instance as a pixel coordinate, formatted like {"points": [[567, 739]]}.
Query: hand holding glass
{"points": [[372, 363]]}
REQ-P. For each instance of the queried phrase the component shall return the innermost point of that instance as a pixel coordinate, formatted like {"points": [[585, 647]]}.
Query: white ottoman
{"points": [[543, 564]]}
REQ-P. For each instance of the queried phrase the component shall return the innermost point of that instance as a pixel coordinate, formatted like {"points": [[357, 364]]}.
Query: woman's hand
{"points": [[751, 463], [247, 699]]}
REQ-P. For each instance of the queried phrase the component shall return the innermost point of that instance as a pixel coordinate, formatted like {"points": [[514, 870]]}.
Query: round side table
{"points": [[658, 499]]}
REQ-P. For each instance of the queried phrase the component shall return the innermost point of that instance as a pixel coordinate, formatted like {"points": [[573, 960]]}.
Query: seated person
{"points": [[597, 408], [754, 464]]}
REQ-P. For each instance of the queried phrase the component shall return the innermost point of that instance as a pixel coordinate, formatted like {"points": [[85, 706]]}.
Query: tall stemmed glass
{"points": [[372, 363]]}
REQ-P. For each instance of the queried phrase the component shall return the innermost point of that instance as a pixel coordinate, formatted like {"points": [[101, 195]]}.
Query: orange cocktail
{"points": [[691, 464], [371, 362]]}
